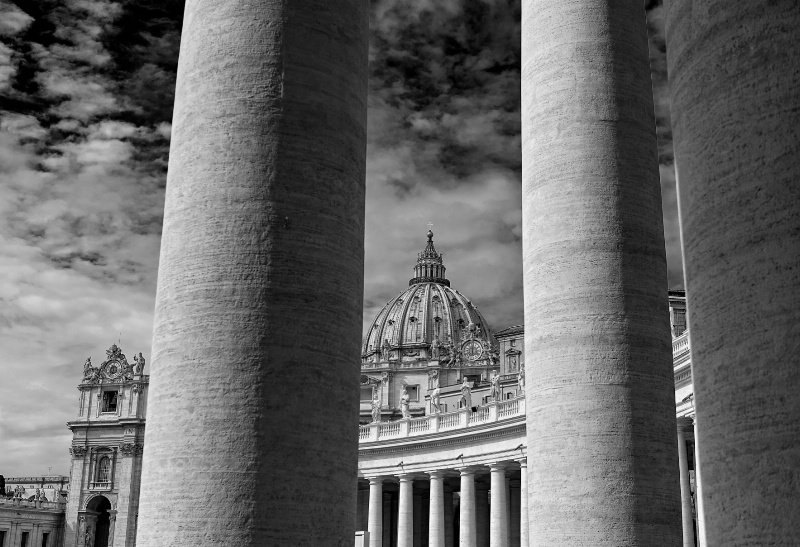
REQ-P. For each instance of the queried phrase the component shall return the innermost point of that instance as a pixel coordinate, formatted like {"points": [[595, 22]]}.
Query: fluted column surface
{"points": [[600, 410], [254, 387], [734, 79]]}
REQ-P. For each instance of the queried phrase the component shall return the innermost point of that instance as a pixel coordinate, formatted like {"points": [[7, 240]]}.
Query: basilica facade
{"points": [[442, 433]]}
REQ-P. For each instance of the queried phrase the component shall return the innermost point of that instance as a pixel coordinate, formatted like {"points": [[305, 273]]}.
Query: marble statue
{"points": [[404, 401], [139, 360], [87, 368], [435, 408], [376, 405], [494, 392], [466, 393], [521, 379]]}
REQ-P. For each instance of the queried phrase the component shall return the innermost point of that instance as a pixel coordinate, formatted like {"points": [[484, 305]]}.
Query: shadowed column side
{"points": [[734, 76]]}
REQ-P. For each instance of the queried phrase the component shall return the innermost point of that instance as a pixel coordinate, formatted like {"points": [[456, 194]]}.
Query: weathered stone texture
{"points": [[602, 466], [734, 79], [250, 436]]}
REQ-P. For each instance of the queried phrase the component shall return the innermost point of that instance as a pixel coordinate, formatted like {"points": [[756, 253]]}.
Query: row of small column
{"points": [[472, 516]]}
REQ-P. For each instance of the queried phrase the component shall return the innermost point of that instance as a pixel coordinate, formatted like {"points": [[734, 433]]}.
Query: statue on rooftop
{"points": [[139, 360], [435, 408], [521, 380], [405, 398], [494, 392], [376, 405], [466, 393]]}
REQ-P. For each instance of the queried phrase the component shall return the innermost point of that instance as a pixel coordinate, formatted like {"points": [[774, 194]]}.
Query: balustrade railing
{"points": [[680, 344], [459, 419]]}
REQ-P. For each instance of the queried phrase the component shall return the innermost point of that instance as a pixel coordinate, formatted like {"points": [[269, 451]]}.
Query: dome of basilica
{"points": [[428, 314]]}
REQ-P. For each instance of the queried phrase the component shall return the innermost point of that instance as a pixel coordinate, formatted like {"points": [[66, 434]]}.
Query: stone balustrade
{"points": [[434, 423], [680, 344], [20, 502]]}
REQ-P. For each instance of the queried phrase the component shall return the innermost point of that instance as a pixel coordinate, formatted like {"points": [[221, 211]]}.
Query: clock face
{"points": [[472, 350], [113, 369]]}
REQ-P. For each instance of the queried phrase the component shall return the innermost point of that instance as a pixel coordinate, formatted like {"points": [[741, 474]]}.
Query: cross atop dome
{"points": [[429, 267]]}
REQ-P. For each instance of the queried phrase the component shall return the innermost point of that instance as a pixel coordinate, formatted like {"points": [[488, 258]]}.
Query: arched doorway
{"points": [[101, 506]]}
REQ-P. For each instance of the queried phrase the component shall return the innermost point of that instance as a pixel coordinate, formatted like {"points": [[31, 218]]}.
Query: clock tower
{"points": [[106, 451]]}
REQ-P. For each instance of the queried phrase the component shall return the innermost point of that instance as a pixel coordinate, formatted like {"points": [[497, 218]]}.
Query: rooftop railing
{"points": [[449, 421]]}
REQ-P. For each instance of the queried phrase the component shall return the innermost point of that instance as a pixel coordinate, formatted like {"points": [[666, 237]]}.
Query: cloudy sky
{"points": [[86, 90]]}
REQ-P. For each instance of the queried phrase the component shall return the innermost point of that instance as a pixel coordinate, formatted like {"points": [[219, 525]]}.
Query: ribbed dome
{"points": [[427, 309]]}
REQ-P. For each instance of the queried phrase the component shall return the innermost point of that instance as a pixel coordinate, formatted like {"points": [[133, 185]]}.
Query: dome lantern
{"points": [[429, 267]]}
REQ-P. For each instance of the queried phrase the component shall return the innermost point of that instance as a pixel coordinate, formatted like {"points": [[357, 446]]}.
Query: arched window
{"points": [[104, 470]]}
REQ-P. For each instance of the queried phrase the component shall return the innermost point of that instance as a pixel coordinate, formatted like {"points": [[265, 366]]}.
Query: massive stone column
{"points": [[251, 436], [600, 410], [734, 77]]}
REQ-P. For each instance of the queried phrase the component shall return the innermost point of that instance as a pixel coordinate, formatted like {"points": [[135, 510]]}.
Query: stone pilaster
{"points": [[734, 75], [264, 215], [467, 532], [375, 524], [436, 520], [600, 394], [405, 512]]}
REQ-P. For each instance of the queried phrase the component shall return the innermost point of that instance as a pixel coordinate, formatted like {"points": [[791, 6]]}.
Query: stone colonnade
{"points": [[264, 213], [474, 506]]}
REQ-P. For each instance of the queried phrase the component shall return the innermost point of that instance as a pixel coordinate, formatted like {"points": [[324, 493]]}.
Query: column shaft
{"points": [[405, 513], [481, 514], [523, 503], [466, 531], [498, 526], [734, 79], [436, 520], [600, 413], [264, 213], [449, 527], [698, 493], [686, 492], [375, 524], [514, 513]]}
